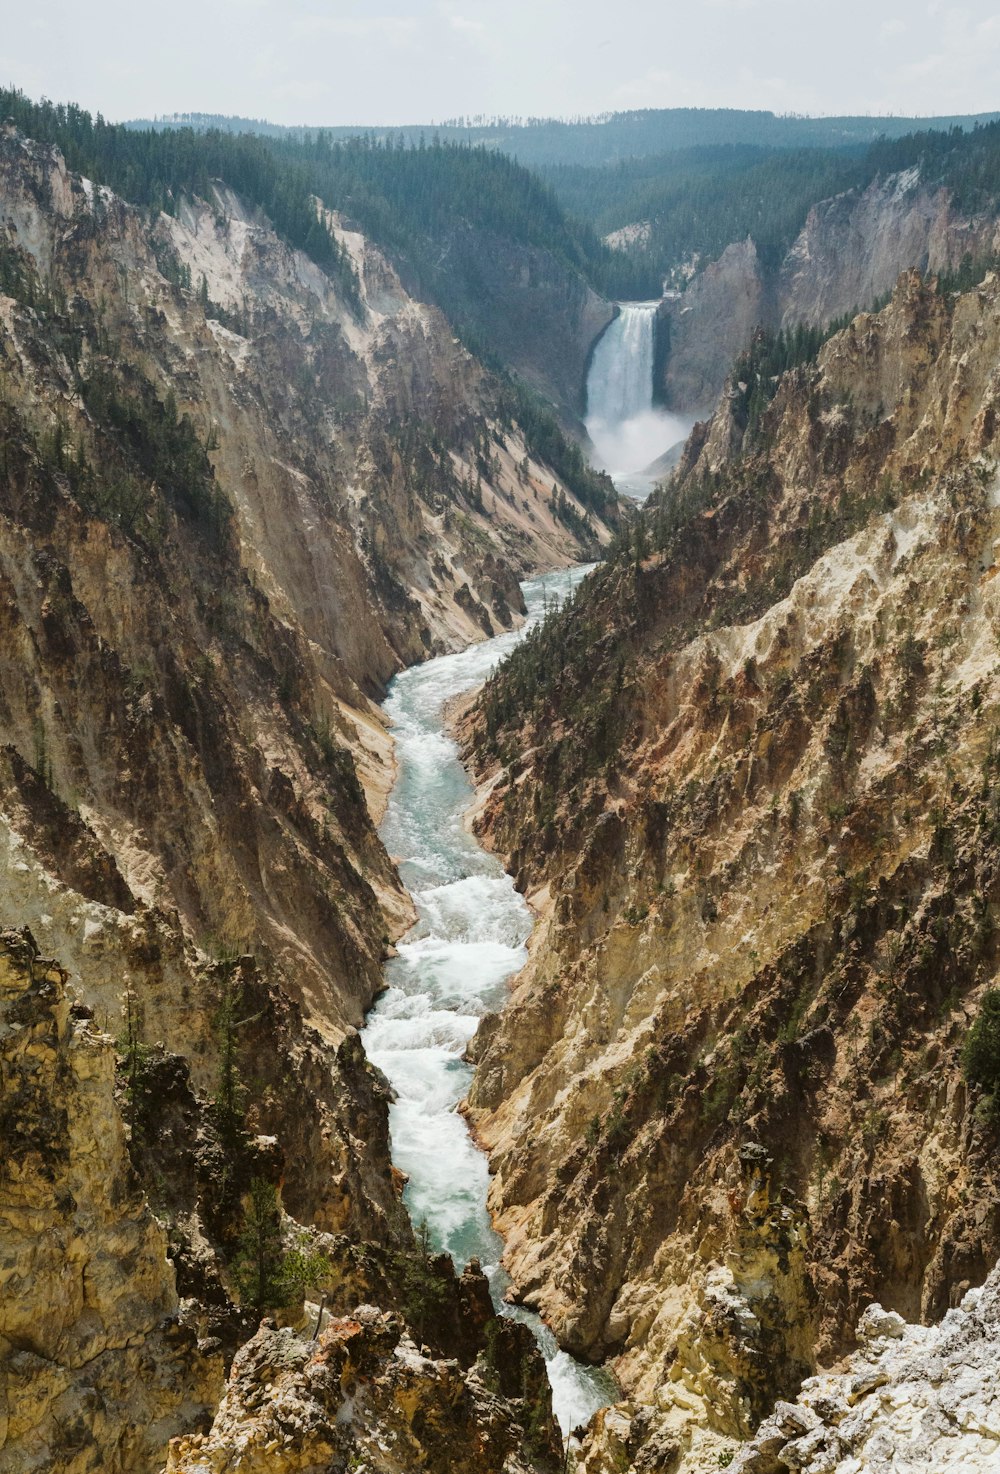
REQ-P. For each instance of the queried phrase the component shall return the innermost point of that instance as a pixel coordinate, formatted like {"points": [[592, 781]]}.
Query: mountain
{"points": [[280, 417], [930, 203], [466, 228], [748, 782]]}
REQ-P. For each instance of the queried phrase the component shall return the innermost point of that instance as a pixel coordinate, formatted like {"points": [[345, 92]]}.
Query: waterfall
{"points": [[620, 382], [628, 432]]}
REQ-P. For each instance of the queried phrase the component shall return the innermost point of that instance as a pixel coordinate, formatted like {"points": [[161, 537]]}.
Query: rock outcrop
{"points": [[711, 322], [364, 1396], [853, 247], [913, 1398], [98, 1367], [749, 781]]}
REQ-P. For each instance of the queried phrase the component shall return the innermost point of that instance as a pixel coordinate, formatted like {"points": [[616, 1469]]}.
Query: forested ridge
{"points": [[608, 138], [726, 175], [701, 177], [406, 198], [698, 200]]}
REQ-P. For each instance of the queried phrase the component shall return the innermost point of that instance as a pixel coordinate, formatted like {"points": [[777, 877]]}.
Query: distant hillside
{"points": [[694, 202], [699, 178], [612, 137]]}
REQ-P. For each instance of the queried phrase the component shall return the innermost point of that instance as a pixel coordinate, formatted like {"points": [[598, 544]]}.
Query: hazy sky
{"points": [[397, 61]]}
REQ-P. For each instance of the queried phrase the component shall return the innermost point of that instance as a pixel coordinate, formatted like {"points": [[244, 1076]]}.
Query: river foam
{"points": [[451, 968]]}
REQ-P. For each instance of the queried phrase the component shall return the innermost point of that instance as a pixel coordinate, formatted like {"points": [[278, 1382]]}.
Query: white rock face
{"points": [[913, 1400]]}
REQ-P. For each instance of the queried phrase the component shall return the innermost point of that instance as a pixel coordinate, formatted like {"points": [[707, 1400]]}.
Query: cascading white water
{"points": [[620, 383], [628, 431], [451, 969]]}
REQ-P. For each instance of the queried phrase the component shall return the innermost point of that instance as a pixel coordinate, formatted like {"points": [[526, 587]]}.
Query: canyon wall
{"points": [[526, 306], [97, 1368], [235, 498], [845, 259], [749, 782]]}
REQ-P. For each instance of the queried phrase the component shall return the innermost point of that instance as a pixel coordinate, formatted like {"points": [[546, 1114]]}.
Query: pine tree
{"points": [[425, 1292], [264, 1273], [258, 1271], [230, 1092]]}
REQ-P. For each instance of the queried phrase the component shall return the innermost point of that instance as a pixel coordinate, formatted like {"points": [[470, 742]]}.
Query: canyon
{"points": [[845, 259], [686, 991], [231, 511]]}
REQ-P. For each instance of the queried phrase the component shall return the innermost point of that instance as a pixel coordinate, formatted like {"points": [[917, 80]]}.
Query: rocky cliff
{"points": [[234, 499], [97, 1366], [912, 1398], [847, 257], [749, 782], [362, 1394], [527, 306], [711, 322]]}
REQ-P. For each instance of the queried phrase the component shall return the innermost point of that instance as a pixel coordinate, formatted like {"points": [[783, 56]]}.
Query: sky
{"points": [[417, 61]]}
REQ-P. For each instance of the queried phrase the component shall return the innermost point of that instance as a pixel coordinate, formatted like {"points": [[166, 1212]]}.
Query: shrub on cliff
{"points": [[981, 1054], [425, 1293], [265, 1274]]}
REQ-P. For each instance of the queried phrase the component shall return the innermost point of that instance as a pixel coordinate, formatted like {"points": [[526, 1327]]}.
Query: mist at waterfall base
{"points": [[452, 968], [628, 432]]}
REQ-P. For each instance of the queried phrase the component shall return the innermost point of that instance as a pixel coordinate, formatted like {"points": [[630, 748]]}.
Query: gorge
{"points": [[493, 977], [739, 1049]]}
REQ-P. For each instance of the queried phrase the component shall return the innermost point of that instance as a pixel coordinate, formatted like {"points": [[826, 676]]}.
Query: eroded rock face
{"points": [[712, 323], [852, 247], [232, 505], [539, 315], [343, 434], [755, 809], [97, 1367], [913, 1398], [845, 259], [190, 637], [363, 1395]]}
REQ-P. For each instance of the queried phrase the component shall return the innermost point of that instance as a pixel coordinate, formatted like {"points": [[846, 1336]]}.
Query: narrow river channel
{"points": [[452, 967]]}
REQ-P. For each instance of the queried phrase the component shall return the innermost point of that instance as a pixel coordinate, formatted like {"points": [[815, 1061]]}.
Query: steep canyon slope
{"points": [[845, 259], [749, 781], [235, 498]]}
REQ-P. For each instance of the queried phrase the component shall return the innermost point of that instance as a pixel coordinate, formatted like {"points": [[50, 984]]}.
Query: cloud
{"points": [[469, 30], [950, 75]]}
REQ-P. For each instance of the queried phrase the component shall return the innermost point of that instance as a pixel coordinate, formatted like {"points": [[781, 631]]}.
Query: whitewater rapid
{"points": [[629, 432], [452, 968]]}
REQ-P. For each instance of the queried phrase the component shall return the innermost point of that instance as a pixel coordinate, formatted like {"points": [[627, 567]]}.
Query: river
{"points": [[452, 967]]}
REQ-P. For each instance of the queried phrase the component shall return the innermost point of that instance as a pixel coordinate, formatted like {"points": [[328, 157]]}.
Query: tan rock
{"points": [[97, 1370]]}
